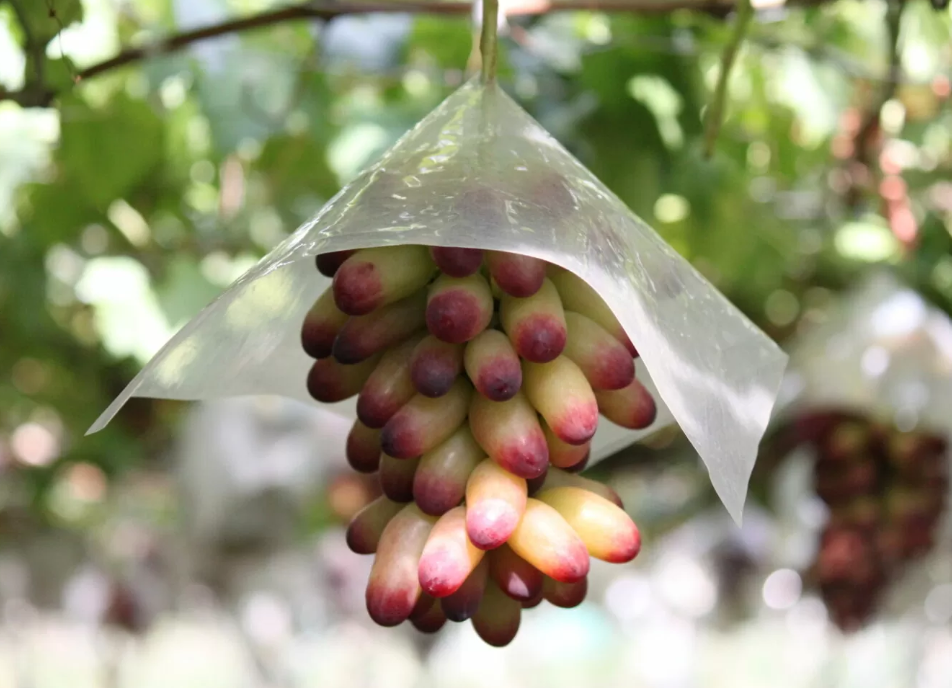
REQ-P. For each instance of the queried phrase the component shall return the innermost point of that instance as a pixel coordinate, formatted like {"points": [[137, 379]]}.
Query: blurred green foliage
{"points": [[140, 194]]}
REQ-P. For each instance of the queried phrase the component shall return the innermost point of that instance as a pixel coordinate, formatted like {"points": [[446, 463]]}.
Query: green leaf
{"points": [[59, 212], [448, 42], [108, 152], [46, 18]]}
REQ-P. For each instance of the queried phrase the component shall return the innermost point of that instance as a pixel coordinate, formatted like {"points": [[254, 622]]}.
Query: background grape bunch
{"points": [[886, 491], [480, 378]]}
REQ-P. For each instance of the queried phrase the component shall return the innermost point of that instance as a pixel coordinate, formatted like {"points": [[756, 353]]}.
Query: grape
{"points": [[559, 391], [517, 275], [441, 476], [365, 529], [457, 262], [497, 619], [514, 575], [389, 386], [363, 448], [562, 454], [448, 557], [458, 309], [394, 587], [435, 365], [565, 595], [366, 335], [579, 297], [424, 422], [493, 366], [495, 501], [631, 407], [604, 360], [321, 325], [536, 324], [375, 277], [547, 541], [607, 531], [328, 263], [510, 433], [463, 603], [331, 381]]}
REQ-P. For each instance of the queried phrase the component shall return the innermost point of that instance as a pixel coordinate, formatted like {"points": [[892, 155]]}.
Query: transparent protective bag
{"points": [[881, 350], [479, 172]]}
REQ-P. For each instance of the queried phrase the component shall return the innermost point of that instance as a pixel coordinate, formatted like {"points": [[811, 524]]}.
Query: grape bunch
{"points": [[479, 377], [886, 492]]}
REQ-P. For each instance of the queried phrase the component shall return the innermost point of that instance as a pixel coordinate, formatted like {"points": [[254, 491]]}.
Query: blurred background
{"points": [[202, 545]]}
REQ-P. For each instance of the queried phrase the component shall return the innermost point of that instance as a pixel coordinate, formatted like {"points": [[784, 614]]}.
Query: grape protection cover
{"points": [[478, 172]]}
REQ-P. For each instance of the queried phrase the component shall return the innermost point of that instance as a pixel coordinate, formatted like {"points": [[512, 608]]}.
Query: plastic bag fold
{"points": [[479, 172]]}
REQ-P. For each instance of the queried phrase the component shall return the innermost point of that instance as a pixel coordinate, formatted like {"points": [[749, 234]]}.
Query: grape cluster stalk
{"points": [[480, 377], [886, 491]]}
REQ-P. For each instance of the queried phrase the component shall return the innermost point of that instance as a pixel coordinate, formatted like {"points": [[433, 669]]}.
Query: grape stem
{"points": [[487, 40]]}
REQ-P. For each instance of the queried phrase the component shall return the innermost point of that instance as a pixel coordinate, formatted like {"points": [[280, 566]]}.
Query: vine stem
{"points": [[488, 39], [714, 116]]}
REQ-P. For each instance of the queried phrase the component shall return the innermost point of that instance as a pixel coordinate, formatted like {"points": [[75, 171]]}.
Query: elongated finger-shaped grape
{"points": [[458, 308], [366, 527], [396, 477], [517, 275], [363, 448], [366, 335], [394, 587], [510, 433], [457, 262], [548, 542], [389, 386], [423, 423], [579, 297], [495, 501], [328, 263], [556, 477], [604, 360], [632, 407], [497, 619], [535, 325], [440, 480], [463, 603], [428, 618], [565, 595], [321, 325], [562, 454], [493, 365], [375, 277], [581, 465], [607, 531], [514, 575], [331, 381], [435, 365], [448, 557], [559, 391], [535, 601]]}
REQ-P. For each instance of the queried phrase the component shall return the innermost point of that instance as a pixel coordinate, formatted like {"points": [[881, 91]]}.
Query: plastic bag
{"points": [[882, 351], [479, 172]]}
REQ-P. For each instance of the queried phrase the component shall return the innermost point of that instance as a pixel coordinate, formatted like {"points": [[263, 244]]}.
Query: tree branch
{"points": [[34, 49], [871, 118], [715, 110], [37, 94]]}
